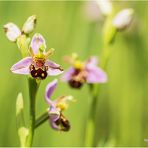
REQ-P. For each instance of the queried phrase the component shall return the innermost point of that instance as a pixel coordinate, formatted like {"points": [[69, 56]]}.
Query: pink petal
{"points": [[49, 91], [37, 42], [96, 75], [53, 125], [54, 113], [67, 75], [54, 69], [92, 61], [22, 67]]}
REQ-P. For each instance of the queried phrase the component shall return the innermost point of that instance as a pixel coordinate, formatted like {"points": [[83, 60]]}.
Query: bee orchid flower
{"points": [[37, 64], [84, 72], [56, 118]]}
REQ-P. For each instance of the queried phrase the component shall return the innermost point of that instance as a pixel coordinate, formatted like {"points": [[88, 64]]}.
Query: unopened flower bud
{"points": [[12, 31], [29, 25], [105, 7], [23, 44], [123, 19]]}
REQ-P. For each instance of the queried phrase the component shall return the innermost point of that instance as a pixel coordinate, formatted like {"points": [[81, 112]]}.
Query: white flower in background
{"points": [[92, 11], [29, 25], [123, 19], [105, 7], [13, 31]]}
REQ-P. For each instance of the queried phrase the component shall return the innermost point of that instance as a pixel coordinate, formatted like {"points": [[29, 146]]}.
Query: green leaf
{"points": [[19, 104], [22, 131]]}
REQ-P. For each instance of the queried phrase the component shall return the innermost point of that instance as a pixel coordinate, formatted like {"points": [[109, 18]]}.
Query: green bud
{"points": [[23, 44], [29, 25], [123, 19]]}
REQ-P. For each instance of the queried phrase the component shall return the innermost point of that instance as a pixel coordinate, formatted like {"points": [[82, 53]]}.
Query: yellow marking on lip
{"points": [[62, 106], [36, 68], [42, 75], [40, 55], [78, 64]]}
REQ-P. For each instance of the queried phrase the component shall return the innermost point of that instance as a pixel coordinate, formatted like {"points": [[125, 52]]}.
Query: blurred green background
{"points": [[122, 109]]}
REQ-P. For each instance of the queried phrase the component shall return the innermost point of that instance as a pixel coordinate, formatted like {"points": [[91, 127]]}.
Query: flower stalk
{"points": [[41, 119], [33, 88], [109, 34], [90, 127], [35, 63]]}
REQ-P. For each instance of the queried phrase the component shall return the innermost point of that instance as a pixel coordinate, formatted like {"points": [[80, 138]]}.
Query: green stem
{"points": [[40, 120], [109, 33], [33, 87], [90, 127], [94, 90], [105, 57]]}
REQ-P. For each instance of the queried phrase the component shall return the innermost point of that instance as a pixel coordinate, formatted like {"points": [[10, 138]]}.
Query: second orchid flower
{"points": [[83, 72], [56, 118]]}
